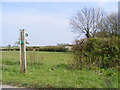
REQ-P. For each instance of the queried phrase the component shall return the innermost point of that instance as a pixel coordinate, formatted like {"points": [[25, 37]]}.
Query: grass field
{"points": [[50, 70]]}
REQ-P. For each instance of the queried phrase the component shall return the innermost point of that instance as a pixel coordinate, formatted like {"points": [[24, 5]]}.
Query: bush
{"points": [[100, 52]]}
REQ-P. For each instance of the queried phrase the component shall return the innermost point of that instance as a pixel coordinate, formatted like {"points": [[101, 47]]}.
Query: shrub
{"points": [[100, 52]]}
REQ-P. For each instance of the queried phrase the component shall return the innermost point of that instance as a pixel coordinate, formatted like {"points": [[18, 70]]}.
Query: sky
{"points": [[47, 23]]}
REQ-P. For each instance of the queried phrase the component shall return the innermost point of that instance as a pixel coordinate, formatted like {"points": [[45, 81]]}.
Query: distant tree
{"points": [[18, 42], [86, 21], [9, 46]]}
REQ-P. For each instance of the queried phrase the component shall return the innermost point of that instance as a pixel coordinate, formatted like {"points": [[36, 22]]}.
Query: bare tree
{"points": [[18, 42], [109, 25], [86, 21]]}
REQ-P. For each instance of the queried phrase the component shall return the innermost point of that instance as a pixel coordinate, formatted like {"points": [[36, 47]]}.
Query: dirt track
{"points": [[15, 88], [7, 86]]}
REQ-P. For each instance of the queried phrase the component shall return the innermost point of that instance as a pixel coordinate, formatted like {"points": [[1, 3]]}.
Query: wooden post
{"points": [[119, 17], [22, 51]]}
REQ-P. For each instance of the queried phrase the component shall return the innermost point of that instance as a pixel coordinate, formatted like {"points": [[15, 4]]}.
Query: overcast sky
{"points": [[47, 23]]}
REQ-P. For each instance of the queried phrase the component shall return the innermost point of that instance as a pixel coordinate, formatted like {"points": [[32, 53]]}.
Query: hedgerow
{"points": [[100, 52], [53, 49]]}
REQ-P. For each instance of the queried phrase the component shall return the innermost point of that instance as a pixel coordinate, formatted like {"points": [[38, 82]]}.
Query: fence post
{"points": [[22, 51]]}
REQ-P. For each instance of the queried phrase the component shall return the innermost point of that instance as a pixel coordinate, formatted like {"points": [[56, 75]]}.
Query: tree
{"points": [[9, 46], [86, 21], [102, 34], [18, 42], [109, 25]]}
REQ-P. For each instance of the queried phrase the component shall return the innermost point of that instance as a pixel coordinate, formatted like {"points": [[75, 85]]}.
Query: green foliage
{"points": [[100, 52]]}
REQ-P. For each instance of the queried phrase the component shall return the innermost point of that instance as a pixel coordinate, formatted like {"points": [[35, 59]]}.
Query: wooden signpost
{"points": [[22, 51], [119, 17]]}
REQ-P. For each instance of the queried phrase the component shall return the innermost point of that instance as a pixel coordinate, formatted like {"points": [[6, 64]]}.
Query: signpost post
{"points": [[22, 51], [119, 17]]}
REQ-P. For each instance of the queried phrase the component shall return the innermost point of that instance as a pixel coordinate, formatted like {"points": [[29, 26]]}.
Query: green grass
{"points": [[50, 70]]}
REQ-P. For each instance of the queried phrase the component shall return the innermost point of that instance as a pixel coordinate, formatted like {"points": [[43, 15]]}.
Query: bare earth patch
{"points": [[7, 86]]}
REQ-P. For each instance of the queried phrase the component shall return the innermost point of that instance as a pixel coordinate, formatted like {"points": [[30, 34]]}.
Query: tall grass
{"points": [[50, 70]]}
